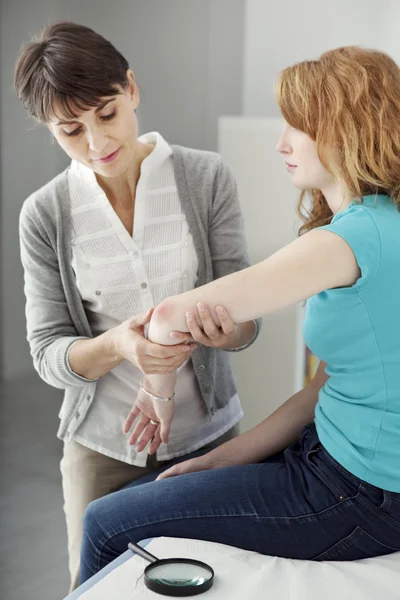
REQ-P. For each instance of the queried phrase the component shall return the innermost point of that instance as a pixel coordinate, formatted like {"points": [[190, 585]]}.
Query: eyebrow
{"points": [[102, 105]]}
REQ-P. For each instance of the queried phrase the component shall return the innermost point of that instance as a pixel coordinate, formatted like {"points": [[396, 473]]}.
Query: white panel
{"points": [[270, 371]]}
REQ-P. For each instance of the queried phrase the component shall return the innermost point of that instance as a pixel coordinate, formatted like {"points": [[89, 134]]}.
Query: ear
{"points": [[133, 89]]}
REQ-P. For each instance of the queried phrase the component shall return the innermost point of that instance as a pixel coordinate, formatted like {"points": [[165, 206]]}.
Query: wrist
{"points": [[112, 341], [244, 334], [160, 385]]}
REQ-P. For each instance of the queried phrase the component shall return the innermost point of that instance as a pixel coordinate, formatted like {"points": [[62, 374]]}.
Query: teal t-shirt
{"points": [[356, 331]]}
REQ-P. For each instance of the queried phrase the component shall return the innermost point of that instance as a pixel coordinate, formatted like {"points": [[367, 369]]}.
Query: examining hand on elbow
{"points": [[149, 357], [203, 329]]}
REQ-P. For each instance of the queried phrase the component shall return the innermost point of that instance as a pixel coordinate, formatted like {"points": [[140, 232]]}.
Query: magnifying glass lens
{"points": [[179, 574]]}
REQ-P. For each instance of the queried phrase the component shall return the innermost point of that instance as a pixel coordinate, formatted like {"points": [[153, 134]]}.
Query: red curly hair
{"points": [[348, 102]]}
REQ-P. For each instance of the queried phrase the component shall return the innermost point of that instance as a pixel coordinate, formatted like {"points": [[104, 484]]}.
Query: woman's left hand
{"points": [[154, 422], [208, 333]]}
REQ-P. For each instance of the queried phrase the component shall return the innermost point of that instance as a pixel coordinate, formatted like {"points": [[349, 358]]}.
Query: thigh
{"points": [[262, 507], [88, 475]]}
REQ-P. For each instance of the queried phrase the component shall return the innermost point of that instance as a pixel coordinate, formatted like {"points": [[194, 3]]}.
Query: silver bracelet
{"points": [[157, 397]]}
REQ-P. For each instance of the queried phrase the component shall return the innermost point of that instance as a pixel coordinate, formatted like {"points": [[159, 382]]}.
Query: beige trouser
{"points": [[88, 475]]}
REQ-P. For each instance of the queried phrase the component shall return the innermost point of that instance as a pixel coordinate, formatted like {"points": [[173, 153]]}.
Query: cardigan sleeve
{"points": [[50, 330]]}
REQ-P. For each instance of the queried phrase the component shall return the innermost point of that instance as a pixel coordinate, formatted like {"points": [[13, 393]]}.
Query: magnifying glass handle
{"points": [[143, 553]]}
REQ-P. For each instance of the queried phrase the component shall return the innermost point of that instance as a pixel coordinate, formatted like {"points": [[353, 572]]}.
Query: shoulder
{"points": [[41, 213], [199, 164], [47, 200], [357, 226], [203, 171], [355, 223], [194, 158]]}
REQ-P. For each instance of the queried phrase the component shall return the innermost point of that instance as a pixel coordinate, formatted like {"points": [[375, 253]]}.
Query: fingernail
{"points": [[219, 310], [189, 316], [201, 307]]}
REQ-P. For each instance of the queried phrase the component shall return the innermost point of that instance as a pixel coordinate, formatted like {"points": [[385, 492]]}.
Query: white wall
{"points": [[188, 63], [389, 37]]}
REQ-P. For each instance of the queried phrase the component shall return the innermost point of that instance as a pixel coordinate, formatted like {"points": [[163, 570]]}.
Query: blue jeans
{"points": [[300, 504]]}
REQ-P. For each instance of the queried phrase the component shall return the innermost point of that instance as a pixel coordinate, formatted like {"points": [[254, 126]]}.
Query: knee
{"points": [[91, 520], [92, 542]]}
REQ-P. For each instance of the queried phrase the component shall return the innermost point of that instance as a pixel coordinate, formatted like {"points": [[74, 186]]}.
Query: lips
{"points": [[109, 157]]}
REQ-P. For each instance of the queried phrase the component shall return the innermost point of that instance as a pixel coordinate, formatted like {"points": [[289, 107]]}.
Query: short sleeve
{"points": [[357, 227]]}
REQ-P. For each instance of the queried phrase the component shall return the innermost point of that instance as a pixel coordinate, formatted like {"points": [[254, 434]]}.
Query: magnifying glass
{"points": [[175, 576]]}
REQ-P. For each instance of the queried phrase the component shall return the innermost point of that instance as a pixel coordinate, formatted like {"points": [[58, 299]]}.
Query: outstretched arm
{"points": [[315, 262]]}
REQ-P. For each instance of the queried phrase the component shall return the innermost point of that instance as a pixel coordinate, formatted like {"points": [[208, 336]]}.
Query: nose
{"points": [[97, 140], [283, 146]]}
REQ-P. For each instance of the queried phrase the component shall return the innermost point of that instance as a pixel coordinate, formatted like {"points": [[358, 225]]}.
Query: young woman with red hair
{"points": [[319, 479]]}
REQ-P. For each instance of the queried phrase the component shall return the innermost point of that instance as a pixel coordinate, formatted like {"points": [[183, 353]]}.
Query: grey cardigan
{"points": [[55, 313]]}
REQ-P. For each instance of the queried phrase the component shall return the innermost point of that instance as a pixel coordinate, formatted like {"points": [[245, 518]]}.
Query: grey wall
{"points": [[27, 161], [295, 31], [187, 58]]}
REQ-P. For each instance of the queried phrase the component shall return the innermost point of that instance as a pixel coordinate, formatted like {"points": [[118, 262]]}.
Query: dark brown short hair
{"points": [[68, 68]]}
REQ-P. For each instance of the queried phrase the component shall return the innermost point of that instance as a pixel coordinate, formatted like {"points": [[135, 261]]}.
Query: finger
{"points": [[227, 325], [163, 352], [156, 442], [130, 419], [165, 426], [194, 329], [209, 326], [139, 428], [163, 365], [148, 434], [182, 336], [171, 472], [142, 319]]}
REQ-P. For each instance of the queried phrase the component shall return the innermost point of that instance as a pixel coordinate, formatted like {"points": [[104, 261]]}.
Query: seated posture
{"points": [[318, 479]]}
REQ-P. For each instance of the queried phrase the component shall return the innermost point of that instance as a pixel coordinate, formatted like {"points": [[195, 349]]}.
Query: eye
{"points": [[76, 131], [108, 117]]}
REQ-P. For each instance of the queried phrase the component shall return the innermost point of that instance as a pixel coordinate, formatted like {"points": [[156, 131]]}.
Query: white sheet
{"points": [[242, 575]]}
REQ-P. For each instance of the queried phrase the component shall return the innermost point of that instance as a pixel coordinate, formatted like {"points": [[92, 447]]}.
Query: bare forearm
{"points": [[277, 431], [316, 261], [170, 315], [95, 357]]}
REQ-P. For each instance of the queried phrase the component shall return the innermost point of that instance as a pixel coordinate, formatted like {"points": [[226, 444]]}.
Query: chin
{"points": [[301, 186], [111, 170]]}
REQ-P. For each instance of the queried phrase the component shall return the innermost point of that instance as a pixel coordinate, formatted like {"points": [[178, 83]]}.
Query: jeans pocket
{"points": [[319, 471], [359, 544]]}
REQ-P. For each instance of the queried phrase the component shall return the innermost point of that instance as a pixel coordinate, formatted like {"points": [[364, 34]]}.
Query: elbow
{"points": [[161, 323], [42, 369]]}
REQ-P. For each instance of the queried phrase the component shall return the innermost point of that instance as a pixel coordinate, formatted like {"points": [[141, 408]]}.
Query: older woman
{"points": [[132, 221]]}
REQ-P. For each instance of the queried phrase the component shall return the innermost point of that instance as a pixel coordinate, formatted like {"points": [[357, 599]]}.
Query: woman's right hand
{"points": [[193, 465], [130, 344]]}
